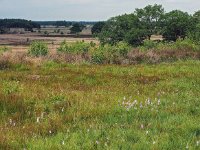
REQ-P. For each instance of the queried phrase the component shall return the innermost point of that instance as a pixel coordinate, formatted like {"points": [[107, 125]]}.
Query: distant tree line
{"points": [[150, 20], [54, 23], [17, 23], [64, 23]]}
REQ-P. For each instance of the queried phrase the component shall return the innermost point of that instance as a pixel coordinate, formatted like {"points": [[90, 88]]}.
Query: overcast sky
{"points": [[89, 10]]}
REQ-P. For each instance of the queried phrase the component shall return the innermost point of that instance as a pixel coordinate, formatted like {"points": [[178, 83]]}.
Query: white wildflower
{"points": [[154, 142], [42, 115], [187, 146], [10, 120], [38, 119], [63, 142], [141, 105], [142, 126], [62, 109], [158, 101], [198, 142], [147, 132]]}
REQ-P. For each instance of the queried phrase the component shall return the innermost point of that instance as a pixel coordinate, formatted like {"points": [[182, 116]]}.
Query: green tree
{"points": [[197, 16], [176, 25], [151, 18], [97, 27], [76, 28], [194, 32], [122, 28]]}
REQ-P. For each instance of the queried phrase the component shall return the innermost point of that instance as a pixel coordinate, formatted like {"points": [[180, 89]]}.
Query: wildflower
{"points": [[138, 92], [14, 124], [38, 119], [158, 101], [198, 143], [42, 115], [147, 132], [62, 109], [187, 146], [141, 105], [142, 126], [50, 131], [154, 142], [88, 130], [63, 142], [124, 98], [97, 142], [10, 120]]}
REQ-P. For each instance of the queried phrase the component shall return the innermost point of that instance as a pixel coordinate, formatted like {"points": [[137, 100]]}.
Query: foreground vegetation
{"points": [[66, 106]]}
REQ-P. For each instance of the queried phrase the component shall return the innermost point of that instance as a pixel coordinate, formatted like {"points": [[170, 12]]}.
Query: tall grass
{"points": [[67, 106]]}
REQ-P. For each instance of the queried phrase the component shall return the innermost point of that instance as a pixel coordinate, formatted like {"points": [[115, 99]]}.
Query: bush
{"points": [[148, 44], [98, 57], [75, 48], [4, 49], [11, 87], [110, 53], [185, 44], [4, 64], [38, 48]]}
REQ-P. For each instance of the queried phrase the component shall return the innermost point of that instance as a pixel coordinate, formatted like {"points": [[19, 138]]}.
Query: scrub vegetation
{"points": [[126, 92]]}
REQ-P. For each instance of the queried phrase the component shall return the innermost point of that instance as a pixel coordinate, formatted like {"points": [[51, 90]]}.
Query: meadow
{"points": [[87, 106]]}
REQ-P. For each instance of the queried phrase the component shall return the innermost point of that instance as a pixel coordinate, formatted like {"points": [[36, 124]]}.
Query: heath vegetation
{"points": [[125, 92]]}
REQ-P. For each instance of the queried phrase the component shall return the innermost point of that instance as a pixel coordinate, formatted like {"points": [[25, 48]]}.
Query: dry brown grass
{"points": [[135, 56]]}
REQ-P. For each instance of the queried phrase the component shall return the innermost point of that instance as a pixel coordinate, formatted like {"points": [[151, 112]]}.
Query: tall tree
{"points": [[97, 27], [194, 32], [151, 17], [120, 28], [176, 25], [76, 28]]}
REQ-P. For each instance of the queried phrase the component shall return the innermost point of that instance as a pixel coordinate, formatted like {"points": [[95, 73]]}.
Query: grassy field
{"points": [[64, 106]]}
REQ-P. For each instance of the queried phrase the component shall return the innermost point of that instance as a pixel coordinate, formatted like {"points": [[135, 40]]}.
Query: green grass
{"points": [[66, 106]]}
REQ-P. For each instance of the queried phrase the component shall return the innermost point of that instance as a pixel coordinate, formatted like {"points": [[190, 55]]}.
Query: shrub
{"points": [[38, 48], [185, 44], [4, 49], [148, 44], [11, 87], [98, 57], [75, 48], [122, 48], [4, 64], [110, 53]]}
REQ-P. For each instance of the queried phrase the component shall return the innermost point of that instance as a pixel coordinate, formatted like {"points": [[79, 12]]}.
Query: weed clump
{"points": [[38, 48], [11, 87], [75, 48], [4, 49], [110, 53]]}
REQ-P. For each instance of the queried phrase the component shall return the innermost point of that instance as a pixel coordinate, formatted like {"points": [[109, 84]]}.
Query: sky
{"points": [[84, 10]]}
